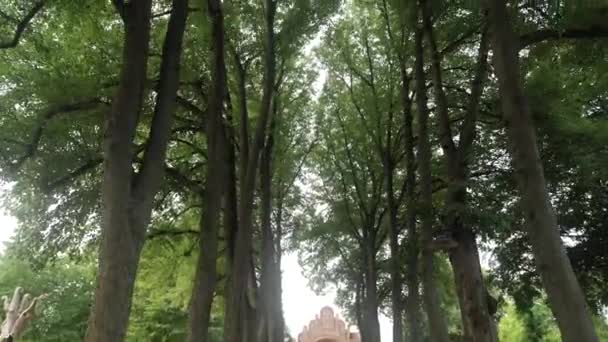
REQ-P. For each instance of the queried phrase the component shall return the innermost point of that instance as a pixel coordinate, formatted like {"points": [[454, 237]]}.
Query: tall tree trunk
{"points": [[413, 314], [253, 295], [230, 219], [413, 281], [438, 330], [277, 308], [464, 257], [240, 320], [267, 309], [396, 283], [477, 322], [279, 325], [371, 303], [206, 269], [120, 242], [205, 277], [127, 197], [563, 290], [359, 298]]}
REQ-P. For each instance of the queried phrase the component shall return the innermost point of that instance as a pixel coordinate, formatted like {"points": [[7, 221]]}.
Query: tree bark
{"points": [[120, 241], [279, 325], [477, 322], [240, 320], [388, 167], [413, 299], [264, 314], [413, 281], [563, 290], [359, 298], [279, 245], [371, 303], [269, 312], [230, 220], [206, 270], [128, 198], [438, 330], [396, 282], [205, 277], [464, 257]]}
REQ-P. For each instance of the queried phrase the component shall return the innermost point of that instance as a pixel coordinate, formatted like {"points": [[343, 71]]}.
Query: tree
{"points": [[286, 153], [128, 198], [438, 330], [284, 30], [389, 163], [366, 67], [354, 197], [464, 257], [206, 274], [240, 325], [563, 108], [563, 290]]}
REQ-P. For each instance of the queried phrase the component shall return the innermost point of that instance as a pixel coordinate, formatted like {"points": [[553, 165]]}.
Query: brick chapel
{"points": [[327, 328]]}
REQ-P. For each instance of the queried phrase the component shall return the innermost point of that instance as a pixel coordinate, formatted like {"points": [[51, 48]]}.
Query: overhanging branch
{"points": [[74, 174], [591, 32], [172, 233], [21, 26], [452, 46], [32, 147]]}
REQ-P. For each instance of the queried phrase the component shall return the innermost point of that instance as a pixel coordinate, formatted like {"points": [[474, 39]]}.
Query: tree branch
{"points": [[83, 169], [349, 211], [459, 41], [344, 255], [169, 11], [538, 36], [447, 142], [298, 172], [467, 130], [21, 26], [186, 183], [72, 175], [241, 73], [362, 117], [172, 233], [352, 68], [351, 162], [32, 147], [189, 105], [147, 181]]}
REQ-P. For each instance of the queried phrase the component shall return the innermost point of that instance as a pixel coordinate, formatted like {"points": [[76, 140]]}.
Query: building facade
{"points": [[327, 327]]}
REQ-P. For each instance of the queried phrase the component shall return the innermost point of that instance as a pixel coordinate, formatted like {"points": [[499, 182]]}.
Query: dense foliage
{"points": [[183, 146]]}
